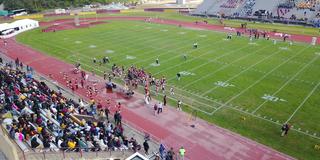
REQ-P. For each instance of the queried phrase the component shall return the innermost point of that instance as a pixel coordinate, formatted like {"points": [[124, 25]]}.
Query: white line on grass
{"points": [[273, 122], [123, 40], [160, 93], [234, 108], [286, 83], [173, 51], [148, 40], [90, 57], [237, 75], [258, 81], [221, 68], [165, 53], [280, 75], [303, 102], [155, 48], [223, 55]]}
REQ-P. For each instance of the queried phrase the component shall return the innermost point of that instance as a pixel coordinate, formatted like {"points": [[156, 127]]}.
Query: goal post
{"points": [[76, 20], [314, 41]]}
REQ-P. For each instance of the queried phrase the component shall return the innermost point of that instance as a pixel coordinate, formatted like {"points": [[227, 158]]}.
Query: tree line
{"points": [[40, 5]]}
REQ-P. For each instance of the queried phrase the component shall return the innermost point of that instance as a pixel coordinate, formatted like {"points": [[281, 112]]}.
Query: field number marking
{"points": [[284, 48], [271, 98], [186, 73], [130, 57], [223, 84], [154, 64]]}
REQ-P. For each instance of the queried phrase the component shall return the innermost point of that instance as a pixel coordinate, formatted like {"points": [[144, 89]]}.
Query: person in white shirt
{"points": [[160, 107]]}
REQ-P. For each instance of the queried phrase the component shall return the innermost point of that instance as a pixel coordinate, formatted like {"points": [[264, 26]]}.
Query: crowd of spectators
{"points": [[307, 4], [289, 4], [231, 3], [316, 22], [248, 7], [43, 119]]}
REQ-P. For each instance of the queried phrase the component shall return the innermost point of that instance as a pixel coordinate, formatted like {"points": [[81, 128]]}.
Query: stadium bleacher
{"points": [[306, 11], [41, 119]]}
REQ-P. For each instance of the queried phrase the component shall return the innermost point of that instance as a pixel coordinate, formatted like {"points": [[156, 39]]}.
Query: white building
{"points": [[8, 30], [60, 11]]}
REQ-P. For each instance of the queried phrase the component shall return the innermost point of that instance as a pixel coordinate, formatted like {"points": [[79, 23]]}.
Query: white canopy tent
{"points": [[8, 30], [137, 156]]}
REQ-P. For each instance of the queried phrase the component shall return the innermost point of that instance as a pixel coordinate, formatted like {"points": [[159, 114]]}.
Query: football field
{"points": [[260, 82]]}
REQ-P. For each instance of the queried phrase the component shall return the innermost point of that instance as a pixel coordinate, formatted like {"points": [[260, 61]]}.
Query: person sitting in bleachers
{"points": [[41, 115]]}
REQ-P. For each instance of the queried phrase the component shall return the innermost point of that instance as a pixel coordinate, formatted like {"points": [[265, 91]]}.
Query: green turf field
{"points": [[223, 80], [290, 29]]}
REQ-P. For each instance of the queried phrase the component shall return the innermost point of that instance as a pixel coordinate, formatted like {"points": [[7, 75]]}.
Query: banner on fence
{"points": [[31, 16], [84, 13], [170, 10], [131, 10]]}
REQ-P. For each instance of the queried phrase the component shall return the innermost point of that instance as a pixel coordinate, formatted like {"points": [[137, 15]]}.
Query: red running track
{"points": [[200, 25], [204, 142]]}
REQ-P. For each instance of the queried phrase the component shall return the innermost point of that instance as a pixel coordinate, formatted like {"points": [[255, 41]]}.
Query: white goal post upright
{"points": [[76, 20], [314, 41]]}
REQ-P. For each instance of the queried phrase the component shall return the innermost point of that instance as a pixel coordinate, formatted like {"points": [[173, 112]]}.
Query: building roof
{"points": [[17, 23]]}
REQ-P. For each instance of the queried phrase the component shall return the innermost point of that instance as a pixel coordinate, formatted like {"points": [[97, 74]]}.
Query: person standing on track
{"points": [[182, 152], [179, 106], [104, 75], [160, 107]]}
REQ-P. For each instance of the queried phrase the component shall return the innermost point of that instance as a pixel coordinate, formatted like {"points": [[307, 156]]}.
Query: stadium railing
{"points": [[12, 148]]}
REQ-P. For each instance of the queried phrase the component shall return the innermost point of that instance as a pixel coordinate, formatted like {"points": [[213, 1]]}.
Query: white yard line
{"points": [[156, 49], [221, 68], [73, 51], [223, 55], [279, 75], [236, 109], [287, 82], [273, 122], [131, 39], [237, 75], [258, 81], [142, 38], [303, 102], [142, 48], [174, 51], [167, 94], [164, 53]]}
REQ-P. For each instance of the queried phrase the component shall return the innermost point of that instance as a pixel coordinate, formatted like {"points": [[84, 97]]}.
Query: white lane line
{"points": [[287, 82], [303, 102], [258, 81]]}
